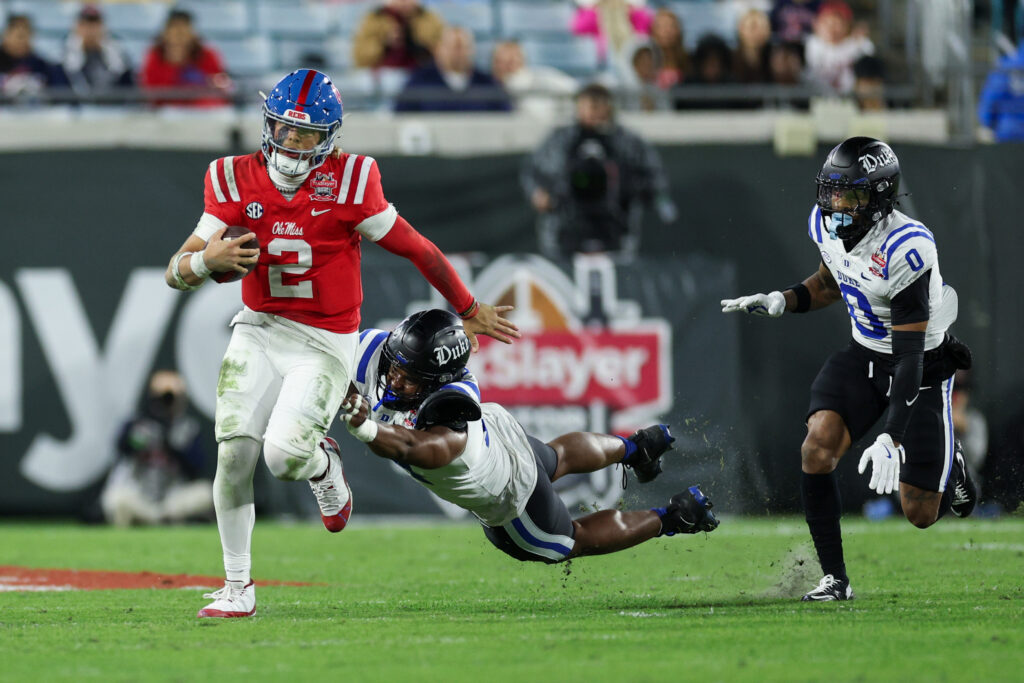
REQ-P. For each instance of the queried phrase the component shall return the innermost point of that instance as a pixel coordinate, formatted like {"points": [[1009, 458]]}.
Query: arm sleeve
{"points": [[404, 241], [908, 306]]}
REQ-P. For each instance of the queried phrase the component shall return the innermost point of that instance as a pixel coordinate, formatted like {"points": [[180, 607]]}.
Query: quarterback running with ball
{"points": [[884, 266], [291, 355]]}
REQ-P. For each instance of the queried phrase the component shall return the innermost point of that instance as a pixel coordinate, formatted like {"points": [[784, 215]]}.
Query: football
{"points": [[233, 232]]}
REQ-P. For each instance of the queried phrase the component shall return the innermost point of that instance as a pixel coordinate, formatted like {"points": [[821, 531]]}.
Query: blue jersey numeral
{"points": [[856, 300], [914, 260]]}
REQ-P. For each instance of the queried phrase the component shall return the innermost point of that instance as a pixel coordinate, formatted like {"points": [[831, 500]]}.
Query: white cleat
{"points": [[233, 600], [333, 494]]}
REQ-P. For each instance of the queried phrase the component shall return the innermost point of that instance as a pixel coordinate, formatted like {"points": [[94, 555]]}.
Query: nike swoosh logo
{"points": [[864, 277], [317, 213], [911, 401]]}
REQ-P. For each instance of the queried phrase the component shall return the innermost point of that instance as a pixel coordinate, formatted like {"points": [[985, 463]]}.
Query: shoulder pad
{"points": [[449, 408]]}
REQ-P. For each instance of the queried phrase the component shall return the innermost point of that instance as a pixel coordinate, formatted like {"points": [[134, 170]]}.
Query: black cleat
{"points": [[830, 588], [965, 493], [650, 442], [687, 513]]}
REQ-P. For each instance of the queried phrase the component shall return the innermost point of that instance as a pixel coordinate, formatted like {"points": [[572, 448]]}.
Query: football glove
{"points": [[771, 305], [885, 458]]}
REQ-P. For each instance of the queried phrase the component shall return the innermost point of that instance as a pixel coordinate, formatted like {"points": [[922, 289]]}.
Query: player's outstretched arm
{"points": [[427, 449], [817, 291], [488, 320]]}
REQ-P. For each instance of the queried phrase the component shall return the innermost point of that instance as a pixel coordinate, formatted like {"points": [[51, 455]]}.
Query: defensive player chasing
{"points": [[885, 267], [291, 353], [424, 412]]}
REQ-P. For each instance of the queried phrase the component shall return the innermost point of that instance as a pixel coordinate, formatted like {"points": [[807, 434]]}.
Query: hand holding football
{"points": [[236, 254]]}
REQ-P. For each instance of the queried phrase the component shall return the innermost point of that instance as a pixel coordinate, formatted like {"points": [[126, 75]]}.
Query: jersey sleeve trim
{"points": [[369, 340], [901, 230], [377, 226], [364, 174], [346, 178], [207, 225], [229, 177], [922, 232], [814, 224], [466, 386]]}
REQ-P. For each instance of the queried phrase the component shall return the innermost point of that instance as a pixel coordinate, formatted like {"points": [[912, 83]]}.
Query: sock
{"points": [[233, 501], [820, 493], [630, 448], [661, 512], [947, 499]]}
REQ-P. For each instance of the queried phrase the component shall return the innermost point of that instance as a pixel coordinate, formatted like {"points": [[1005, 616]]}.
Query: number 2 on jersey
{"points": [[857, 301], [304, 252]]}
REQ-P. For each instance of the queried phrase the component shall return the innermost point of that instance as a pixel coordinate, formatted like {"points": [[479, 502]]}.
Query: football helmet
{"points": [[301, 120], [857, 186], [431, 347]]}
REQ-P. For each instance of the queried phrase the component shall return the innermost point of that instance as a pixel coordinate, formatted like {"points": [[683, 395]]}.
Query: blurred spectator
{"points": [[869, 84], [589, 183], [671, 60], [401, 34], [156, 478], [835, 46], [793, 20], [649, 95], [712, 65], [614, 24], [786, 62], [1001, 106], [92, 59], [452, 83], [541, 91], [23, 73], [750, 59], [969, 425], [179, 60]]}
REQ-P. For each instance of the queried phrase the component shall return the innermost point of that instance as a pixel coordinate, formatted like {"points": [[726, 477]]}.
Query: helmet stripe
{"points": [[304, 90]]}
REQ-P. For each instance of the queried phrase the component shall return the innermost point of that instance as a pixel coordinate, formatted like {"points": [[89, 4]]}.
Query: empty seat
{"points": [[702, 18], [576, 56], [345, 17], [226, 18], [296, 54], [475, 15], [247, 56], [47, 16], [518, 18], [142, 19], [296, 19]]}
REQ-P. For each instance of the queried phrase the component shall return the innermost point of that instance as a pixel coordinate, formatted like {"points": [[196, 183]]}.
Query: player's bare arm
{"points": [[427, 449], [822, 288], [218, 255]]}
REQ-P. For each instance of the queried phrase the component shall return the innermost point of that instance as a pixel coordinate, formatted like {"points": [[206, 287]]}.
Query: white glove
{"points": [[771, 305], [885, 457]]}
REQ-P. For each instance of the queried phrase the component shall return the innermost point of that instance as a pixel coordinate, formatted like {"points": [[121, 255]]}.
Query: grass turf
{"points": [[439, 603]]}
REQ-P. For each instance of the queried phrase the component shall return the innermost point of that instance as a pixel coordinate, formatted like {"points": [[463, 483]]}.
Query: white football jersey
{"points": [[892, 255], [495, 474]]}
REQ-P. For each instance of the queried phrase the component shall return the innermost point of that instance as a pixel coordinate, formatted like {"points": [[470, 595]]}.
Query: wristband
{"points": [[471, 311], [803, 298], [179, 281], [198, 265], [365, 432]]}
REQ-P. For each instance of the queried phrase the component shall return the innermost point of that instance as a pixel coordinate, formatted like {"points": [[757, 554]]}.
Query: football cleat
{"points": [[233, 600], [830, 588], [965, 493], [687, 513], [333, 494], [651, 442]]}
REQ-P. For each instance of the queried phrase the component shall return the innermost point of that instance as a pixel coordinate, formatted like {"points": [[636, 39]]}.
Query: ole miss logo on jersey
{"points": [[323, 186]]}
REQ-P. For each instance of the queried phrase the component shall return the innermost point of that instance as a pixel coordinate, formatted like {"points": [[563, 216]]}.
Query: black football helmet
{"points": [[859, 181], [431, 347]]}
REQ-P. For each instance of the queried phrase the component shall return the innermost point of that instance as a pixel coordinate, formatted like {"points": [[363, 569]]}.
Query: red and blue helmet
{"points": [[309, 107]]}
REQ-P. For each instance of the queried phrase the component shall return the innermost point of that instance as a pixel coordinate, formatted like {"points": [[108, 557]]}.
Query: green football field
{"points": [[394, 602]]}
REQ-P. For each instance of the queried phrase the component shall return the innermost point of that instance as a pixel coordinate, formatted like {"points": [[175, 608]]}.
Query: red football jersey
{"points": [[308, 268]]}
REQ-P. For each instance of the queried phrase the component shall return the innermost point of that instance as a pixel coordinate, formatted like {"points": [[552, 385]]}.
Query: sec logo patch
{"points": [[254, 210]]}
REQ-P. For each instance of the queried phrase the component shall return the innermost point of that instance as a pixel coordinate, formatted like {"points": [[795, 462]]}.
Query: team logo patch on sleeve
{"points": [[254, 210], [324, 186]]}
